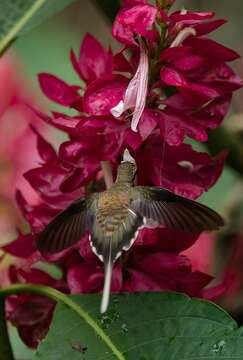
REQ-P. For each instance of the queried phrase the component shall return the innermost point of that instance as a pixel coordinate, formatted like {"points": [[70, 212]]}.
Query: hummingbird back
{"points": [[115, 224], [115, 229]]}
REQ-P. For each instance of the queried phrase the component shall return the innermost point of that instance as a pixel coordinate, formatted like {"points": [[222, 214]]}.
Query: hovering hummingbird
{"points": [[114, 217]]}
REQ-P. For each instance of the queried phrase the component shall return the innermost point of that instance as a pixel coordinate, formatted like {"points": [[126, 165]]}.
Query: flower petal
{"points": [[179, 169], [133, 20], [57, 90], [102, 95], [215, 51], [94, 60]]}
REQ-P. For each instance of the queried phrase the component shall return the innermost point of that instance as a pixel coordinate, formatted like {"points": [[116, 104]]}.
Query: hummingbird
{"points": [[115, 216]]}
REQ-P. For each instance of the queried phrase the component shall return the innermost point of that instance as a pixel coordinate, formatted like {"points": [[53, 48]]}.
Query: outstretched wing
{"points": [[66, 228], [165, 208]]}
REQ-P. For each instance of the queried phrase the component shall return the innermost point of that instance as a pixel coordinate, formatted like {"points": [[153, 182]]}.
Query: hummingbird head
{"points": [[127, 169]]}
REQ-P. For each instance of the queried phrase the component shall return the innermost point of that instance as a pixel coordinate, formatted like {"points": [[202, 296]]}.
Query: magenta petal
{"points": [[133, 2], [163, 262], [189, 62], [46, 180], [82, 278], [102, 95], [45, 149], [139, 281], [74, 152], [121, 64], [79, 177], [178, 169], [173, 240], [132, 139], [94, 60], [75, 63], [212, 49], [206, 91], [205, 28], [191, 15], [139, 18], [60, 121], [133, 20], [222, 78], [190, 282], [32, 324], [57, 90], [23, 247], [184, 101], [175, 126], [122, 33], [22, 203], [147, 123], [211, 115], [175, 53], [172, 77], [40, 216], [66, 124]]}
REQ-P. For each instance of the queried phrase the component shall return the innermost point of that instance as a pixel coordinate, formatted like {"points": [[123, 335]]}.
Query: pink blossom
{"points": [[59, 91], [31, 314], [136, 92], [101, 95], [201, 252], [148, 98], [136, 18], [18, 151], [94, 60], [180, 169]]}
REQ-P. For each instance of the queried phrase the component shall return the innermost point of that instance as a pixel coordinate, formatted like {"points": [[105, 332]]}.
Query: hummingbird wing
{"points": [[165, 208], [67, 227]]}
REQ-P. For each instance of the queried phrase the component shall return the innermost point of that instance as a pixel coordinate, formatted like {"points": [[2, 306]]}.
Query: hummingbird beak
{"points": [[128, 158]]}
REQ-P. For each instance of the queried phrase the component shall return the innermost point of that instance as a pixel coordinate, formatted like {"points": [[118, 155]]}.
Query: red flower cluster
{"points": [[166, 83]]}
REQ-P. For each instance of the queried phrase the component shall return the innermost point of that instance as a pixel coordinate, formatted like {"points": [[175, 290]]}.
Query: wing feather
{"points": [[66, 228], [174, 211]]}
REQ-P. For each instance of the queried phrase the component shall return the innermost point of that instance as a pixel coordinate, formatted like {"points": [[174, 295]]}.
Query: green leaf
{"points": [[155, 326], [18, 16]]}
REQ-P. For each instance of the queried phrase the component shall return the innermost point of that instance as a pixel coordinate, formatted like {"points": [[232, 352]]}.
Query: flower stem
{"points": [[58, 296], [107, 172], [5, 346]]}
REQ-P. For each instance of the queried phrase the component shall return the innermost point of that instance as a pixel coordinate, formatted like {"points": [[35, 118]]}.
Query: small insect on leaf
{"points": [[78, 347]]}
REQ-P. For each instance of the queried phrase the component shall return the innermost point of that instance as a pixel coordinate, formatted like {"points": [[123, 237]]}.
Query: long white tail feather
{"points": [[107, 287], [107, 282]]}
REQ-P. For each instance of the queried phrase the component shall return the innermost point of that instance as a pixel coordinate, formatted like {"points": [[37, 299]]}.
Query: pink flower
{"points": [[31, 314], [18, 151], [201, 253], [94, 60], [136, 18], [136, 92], [58, 91], [179, 169], [162, 87]]}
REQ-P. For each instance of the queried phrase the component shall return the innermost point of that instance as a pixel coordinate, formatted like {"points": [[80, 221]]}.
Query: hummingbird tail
{"points": [[107, 286]]}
